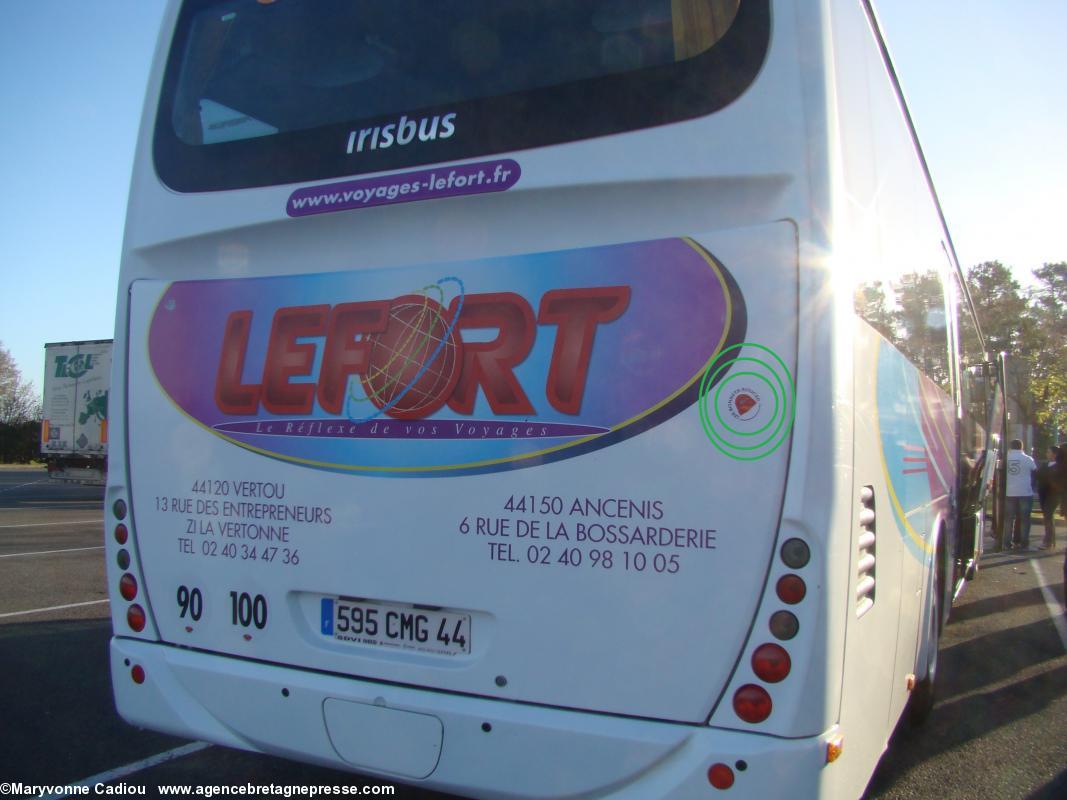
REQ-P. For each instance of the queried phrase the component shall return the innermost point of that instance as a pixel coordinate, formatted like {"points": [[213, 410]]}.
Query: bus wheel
{"points": [[922, 698]]}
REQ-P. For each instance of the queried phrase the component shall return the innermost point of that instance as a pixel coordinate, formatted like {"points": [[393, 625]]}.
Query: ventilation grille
{"points": [[866, 562]]}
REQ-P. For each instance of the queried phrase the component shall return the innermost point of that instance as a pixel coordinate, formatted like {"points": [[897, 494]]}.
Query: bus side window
{"points": [[908, 310]]}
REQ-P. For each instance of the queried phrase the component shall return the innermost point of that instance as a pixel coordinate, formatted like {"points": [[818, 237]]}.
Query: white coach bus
{"points": [[550, 399]]}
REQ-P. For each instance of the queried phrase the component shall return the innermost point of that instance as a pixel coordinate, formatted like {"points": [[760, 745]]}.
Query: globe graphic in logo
{"points": [[414, 364]]}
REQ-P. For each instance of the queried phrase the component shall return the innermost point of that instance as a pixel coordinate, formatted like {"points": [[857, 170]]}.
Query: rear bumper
{"points": [[470, 746]]}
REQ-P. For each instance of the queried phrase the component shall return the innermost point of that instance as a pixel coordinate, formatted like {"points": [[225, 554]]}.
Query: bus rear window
{"points": [[512, 74]]}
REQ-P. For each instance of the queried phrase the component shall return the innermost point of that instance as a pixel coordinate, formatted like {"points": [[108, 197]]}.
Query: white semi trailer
{"points": [[77, 376]]}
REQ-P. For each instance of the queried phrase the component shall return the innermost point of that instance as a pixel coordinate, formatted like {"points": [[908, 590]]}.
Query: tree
{"points": [[1032, 329], [1048, 309], [20, 414], [18, 401], [1002, 309], [870, 304], [1008, 326], [920, 322], [911, 316]]}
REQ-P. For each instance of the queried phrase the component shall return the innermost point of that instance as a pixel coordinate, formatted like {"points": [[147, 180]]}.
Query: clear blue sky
{"points": [[984, 80]]}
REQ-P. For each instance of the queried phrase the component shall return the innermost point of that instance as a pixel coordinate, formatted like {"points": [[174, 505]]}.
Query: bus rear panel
{"points": [[466, 351]]}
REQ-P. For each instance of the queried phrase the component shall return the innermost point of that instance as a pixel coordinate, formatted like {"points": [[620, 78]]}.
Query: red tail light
{"points": [[137, 673], [791, 589], [122, 533], [135, 618], [128, 586], [771, 663], [720, 776], [752, 703]]}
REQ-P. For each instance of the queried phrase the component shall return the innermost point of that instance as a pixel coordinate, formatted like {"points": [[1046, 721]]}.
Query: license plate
{"points": [[446, 633]]}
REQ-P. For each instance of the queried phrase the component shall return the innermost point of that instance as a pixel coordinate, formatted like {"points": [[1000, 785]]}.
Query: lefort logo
{"points": [[410, 357], [403, 132], [509, 362]]}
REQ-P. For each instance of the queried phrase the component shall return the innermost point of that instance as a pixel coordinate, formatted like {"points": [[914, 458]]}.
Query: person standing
{"points": [[1060, 476], [1019, 496], [1049, 492]]}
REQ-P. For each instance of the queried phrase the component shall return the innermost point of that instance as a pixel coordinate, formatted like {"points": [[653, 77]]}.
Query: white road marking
{"points": [[13, 488], [53, 524], [47, 552], [52, 608], [1055, 610], [137, 766]]}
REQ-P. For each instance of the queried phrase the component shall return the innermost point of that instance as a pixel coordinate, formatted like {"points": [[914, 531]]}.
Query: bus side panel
{"points": [[871, 692], [888, 228], [868, 652]]}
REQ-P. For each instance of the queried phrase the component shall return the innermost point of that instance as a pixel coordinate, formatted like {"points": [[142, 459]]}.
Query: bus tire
{"points": [[922, 697]]}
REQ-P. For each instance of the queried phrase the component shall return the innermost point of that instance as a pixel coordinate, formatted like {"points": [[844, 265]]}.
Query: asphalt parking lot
{"points": [[58, 724], [998, 730]]}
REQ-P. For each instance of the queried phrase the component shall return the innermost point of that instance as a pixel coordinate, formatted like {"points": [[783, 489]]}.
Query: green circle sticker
{"points": [[750, 413]]}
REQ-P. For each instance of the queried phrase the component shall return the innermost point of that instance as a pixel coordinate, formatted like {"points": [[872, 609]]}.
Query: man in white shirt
{"points": [[1020, 498]]}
